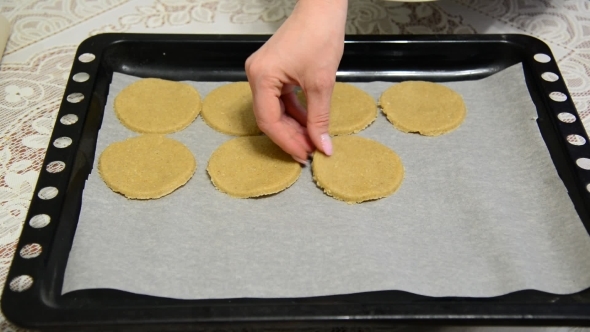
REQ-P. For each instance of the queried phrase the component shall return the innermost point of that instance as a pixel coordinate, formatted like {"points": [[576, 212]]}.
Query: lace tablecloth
{"points": [[45, 34]]}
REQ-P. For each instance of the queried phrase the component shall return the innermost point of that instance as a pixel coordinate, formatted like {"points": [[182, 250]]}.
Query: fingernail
{"points": [[299, 160], [326, 144]]}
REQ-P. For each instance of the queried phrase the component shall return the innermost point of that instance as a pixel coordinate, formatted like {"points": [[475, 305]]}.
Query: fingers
{"points": [[293, 107], [298, 134], [319, 96], [272, 119]]}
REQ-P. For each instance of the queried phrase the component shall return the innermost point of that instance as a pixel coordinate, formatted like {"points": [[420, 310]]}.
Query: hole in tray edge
{"points": [[75, 97], [86, 57], [558, 96], [48, 193], [39, 221], [69, 119], [542, 58], [20, 283], [575, 139], [550, 76], [81, 77], [31, 250], [55, 166], [566, 117], [583, 163], [62, 142]]}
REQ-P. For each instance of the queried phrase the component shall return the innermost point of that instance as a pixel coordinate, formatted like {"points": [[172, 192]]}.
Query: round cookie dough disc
{"points": [[423, 107], [252, 166], [359, 170], [155, 106], [351, 111], [146, 167], [228, 109]]}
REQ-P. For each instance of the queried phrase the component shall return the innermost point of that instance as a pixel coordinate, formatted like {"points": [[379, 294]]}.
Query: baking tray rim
{"points": [[576, 312]]}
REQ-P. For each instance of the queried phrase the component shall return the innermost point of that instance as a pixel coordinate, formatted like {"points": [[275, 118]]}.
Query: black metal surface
{"points": [[221, 58]]}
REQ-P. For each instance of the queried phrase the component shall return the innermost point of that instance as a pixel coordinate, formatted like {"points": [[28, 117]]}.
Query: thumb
{"points": [[318, 116]]}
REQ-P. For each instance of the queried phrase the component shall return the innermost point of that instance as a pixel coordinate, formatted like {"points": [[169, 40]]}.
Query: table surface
{"points": [[45, 35]]}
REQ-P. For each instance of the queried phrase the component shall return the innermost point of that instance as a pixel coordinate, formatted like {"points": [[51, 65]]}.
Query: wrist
{"points": [[325, 7], [322, 12]]}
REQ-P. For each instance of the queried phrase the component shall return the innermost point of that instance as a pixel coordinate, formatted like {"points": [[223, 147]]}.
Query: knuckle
{"points": [[322, 82], [262, 125], [259, 75], [264, 81], [320, 119], [254, 66], [250, 66]]}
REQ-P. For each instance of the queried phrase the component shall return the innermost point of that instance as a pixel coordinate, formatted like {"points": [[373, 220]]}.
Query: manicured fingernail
{"points": [[326, 144], [299, 160]]}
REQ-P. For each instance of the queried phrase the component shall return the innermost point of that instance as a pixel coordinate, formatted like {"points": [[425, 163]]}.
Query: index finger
{"points": [[282, 129]]}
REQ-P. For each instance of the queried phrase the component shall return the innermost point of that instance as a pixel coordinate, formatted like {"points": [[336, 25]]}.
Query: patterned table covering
{"points": [[45, 35]]}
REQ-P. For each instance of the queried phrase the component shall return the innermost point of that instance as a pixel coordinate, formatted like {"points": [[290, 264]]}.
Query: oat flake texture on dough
{"points": [[146, 167], [252, 166], [156, 106], [228, 109], [360, 170], [426, 108]]}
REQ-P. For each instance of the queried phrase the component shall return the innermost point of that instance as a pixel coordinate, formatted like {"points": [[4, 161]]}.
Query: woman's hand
{"points": [[305, 51]]}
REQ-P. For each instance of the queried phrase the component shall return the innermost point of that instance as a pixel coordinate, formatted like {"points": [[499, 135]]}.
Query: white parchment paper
{"points": [[481, 212]]}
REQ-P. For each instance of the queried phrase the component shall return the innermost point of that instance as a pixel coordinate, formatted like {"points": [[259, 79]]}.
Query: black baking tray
{"points": [[221, 58]]}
